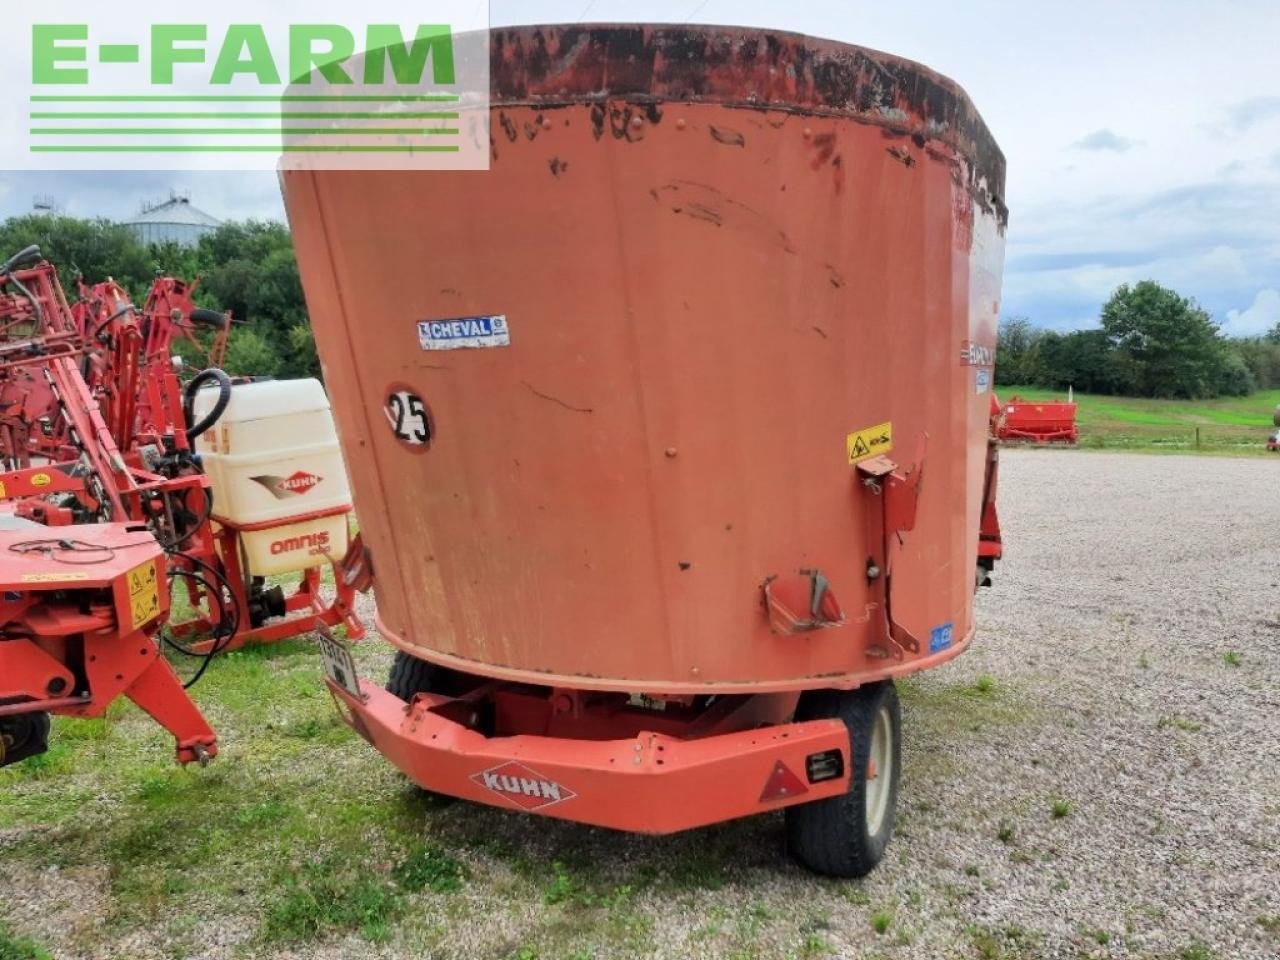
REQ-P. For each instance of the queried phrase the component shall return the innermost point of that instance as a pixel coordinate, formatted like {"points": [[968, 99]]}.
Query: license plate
{"points": [[338, 665]]}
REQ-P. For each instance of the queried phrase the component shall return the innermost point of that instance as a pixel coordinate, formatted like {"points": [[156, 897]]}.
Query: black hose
{"points": [[189, 530], [215, 584], [224, 397], [24, 257]]}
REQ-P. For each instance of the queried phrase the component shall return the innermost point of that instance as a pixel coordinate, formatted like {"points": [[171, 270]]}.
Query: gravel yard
{"points": [[1098, 777]]}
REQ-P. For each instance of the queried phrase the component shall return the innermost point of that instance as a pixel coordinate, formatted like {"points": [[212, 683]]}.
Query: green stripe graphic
{"points": [[291, 115], [241, 131], [226, 98], [287, 148]]}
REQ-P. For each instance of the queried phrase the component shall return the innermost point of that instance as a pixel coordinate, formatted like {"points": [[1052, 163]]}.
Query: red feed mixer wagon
{"points": [[670, 434]]}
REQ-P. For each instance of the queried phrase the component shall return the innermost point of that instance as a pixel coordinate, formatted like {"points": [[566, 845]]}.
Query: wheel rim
{"points": [[879, 770]]}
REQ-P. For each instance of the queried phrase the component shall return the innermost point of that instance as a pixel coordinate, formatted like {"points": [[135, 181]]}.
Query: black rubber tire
{"points": [[830, 836], [410, 676], [202, 317], [29, 733]]}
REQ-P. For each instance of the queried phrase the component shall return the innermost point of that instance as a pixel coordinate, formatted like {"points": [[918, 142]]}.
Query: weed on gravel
{"points": [[14, 947]]}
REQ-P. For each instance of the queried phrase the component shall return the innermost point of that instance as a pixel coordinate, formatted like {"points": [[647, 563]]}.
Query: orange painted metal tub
{"points": [[730, 262]]}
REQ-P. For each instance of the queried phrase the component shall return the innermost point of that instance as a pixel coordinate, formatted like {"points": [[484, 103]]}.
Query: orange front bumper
{"points": [[651, 783]]}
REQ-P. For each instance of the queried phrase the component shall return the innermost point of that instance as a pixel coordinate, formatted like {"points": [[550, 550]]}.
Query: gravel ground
{"points": [[1138, 608], [1098, 777]]}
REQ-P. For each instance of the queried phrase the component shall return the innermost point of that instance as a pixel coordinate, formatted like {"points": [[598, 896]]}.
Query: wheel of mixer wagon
{"points": [[410, 675], [845, 836]]}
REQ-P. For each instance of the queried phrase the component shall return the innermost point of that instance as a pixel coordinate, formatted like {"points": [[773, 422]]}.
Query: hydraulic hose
{"points": [[23, 258], [213, 374]]}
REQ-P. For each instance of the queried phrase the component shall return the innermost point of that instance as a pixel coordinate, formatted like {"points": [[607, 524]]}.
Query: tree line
{"points": [[245, 267], [1151, 342]]}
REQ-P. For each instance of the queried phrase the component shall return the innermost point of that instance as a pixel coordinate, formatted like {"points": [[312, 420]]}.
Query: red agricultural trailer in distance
{"points": [[1038, 421]]}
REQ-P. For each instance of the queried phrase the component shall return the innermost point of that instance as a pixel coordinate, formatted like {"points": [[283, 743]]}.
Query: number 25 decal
{"points": [[410, 419]]}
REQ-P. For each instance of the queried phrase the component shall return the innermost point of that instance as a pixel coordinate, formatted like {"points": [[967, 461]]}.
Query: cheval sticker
{"points": [[463, 332], [871, 442], [522, 786]]}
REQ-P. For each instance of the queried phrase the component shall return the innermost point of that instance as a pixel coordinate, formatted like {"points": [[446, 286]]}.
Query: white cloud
{"points": [[1106, 140], [1258, 318]]}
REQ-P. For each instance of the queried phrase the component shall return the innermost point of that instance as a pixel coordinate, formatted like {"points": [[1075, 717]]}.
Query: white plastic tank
{"points": [[277, 473]]}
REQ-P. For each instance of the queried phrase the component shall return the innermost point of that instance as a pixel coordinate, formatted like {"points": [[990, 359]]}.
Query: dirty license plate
{"points": [[338, 665]]}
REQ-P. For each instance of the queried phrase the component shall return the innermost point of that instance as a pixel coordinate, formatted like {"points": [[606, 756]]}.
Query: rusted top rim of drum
{"points": [[743, 67]]}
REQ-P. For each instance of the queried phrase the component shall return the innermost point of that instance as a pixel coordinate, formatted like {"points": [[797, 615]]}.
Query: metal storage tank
{"points": [[174, 220]]}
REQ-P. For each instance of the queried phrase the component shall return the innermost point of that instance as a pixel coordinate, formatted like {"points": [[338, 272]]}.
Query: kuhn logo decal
{"points": [[292, 486], [522, 786]]}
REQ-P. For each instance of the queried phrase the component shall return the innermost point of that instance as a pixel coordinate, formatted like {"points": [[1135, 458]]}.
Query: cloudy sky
{"points": [[1143, 137]]}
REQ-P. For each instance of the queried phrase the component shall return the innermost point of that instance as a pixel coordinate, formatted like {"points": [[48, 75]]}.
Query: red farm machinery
{"points": [[1038, 421], [642, 469], [108, 517]]}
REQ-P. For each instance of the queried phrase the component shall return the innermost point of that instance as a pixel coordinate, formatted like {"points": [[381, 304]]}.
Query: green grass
{"points": [[299, 833], [881, 920], [14, 947], [1229, 425], [1179, 723]]}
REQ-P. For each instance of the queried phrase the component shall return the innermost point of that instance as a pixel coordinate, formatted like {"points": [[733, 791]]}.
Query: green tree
{"points": [[1172, 344], [98, 249], [252, 354], [1086, 360], [301, 359], [1018, 352], [247, 268], [1261, 356], [1235, 379]]}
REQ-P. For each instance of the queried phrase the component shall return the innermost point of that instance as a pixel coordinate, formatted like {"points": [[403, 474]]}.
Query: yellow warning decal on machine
{"points": [[41, 479], [144, 593], [53, 576], [871, 442]]}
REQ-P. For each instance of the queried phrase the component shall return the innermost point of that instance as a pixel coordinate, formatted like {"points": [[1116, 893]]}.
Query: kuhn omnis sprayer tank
{"points": [[706, 463]]}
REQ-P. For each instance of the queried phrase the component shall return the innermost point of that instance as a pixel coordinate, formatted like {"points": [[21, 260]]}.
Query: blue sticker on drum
{"points": [[982, 381], [940, 637], [462, 332]]}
